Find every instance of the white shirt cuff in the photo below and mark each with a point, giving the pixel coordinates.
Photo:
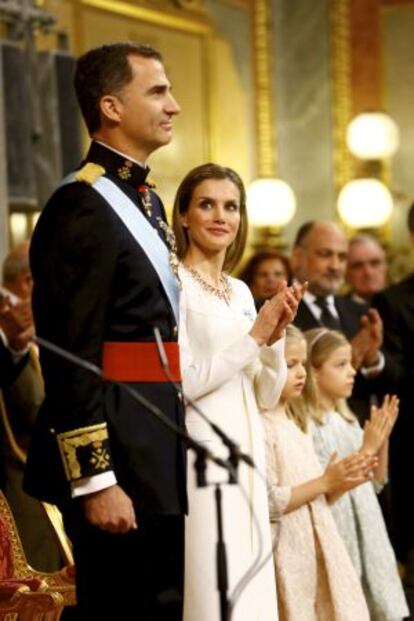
(375, 369)
(88, 485)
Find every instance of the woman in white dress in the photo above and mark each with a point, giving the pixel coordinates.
(230, 363)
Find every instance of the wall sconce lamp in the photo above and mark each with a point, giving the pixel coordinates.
(373, 136)
(366, 202)
(271, 204)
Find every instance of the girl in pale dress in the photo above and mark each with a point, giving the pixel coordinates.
(315, 578)
(231, 360)
(357, 513)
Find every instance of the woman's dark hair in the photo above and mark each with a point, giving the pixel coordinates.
(252, 266)
(182, 202)
(105, 70)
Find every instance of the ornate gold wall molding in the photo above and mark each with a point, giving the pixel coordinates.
(266, 135)
(158, 18)
(188, 4)
(238, 4)
(341, 88)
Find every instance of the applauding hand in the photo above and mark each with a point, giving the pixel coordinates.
(390, 408)
(368, 340)
(378, 428)
(276, 313)
(345, 474)
(294, 295)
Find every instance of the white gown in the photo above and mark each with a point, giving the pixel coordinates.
(226, 373)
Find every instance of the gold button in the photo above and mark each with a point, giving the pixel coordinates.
(175, 331)
(180, 395)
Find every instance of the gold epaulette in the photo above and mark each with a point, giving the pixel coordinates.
(85, 451)
(90, 173)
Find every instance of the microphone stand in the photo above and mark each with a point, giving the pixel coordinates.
(221, 558)
(235, 456)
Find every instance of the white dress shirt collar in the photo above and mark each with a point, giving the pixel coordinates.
(310, 301)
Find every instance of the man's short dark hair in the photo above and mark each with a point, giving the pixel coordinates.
(303, 232)
(410, 219)
(102, 71)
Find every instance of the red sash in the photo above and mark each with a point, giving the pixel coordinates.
(139, 362)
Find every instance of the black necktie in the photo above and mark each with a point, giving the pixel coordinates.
(327, 319)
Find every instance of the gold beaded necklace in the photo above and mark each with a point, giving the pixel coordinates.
(223, 292)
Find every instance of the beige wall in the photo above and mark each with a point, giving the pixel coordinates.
(216, 119)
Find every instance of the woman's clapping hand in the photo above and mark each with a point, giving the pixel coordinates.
(277, 313)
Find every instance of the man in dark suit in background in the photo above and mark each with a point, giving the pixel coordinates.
(396, 307)
(319, 256)
(102, 282)
(366, 270)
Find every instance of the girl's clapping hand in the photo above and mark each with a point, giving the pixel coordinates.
(390, 408)
(376, 431)
(345, 474)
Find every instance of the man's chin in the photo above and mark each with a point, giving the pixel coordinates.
(329, 288)
(323, 291)
(162, 140)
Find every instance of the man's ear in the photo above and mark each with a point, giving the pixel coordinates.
(111, 108)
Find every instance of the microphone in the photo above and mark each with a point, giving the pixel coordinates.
(235, 453)
(202, 454)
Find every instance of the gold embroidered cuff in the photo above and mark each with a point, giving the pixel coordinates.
(85, 451)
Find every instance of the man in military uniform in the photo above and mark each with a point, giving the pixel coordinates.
(102, 282)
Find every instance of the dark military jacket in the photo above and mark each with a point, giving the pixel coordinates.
(94, 283)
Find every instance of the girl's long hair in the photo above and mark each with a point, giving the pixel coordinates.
(321, 343)
(295, 408)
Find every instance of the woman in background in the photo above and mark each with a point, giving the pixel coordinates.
(263, 272)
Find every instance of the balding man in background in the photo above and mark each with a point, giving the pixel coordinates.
(366, 271)
(17, 277)
(19, 404)
(16, 322)
(320, 257)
